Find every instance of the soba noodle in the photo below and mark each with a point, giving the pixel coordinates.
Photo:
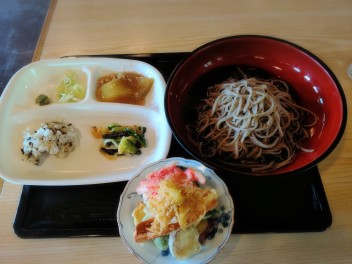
(252, 120)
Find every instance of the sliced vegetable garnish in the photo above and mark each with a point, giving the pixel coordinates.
(118, 140)
(71, 88)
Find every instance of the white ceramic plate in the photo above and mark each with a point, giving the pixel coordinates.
(149, 253)
(85, 165)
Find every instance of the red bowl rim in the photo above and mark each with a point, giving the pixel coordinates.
(301, 49)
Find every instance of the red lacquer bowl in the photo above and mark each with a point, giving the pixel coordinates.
(312, 82)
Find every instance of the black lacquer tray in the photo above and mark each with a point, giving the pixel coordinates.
(295, 203)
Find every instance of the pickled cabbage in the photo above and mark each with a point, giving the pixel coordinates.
(71, 88)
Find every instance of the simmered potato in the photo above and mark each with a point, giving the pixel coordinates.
(130, 88)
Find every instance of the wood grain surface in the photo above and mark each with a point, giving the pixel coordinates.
(82, 27)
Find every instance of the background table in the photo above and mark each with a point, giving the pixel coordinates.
(82, 27)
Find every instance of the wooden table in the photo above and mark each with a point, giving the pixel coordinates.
(106, 27)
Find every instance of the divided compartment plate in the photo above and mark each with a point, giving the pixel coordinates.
(85, 165)
(295, 203)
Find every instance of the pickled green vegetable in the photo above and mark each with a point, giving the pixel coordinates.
(42, 99)
(127, 146)
(123, 140)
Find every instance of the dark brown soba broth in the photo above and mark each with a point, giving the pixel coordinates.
(199, 91)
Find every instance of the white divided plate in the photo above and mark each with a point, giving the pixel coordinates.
(85, 165)
(148, 252)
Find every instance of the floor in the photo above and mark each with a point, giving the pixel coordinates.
(21, 22)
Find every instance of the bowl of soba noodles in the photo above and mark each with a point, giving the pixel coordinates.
(255, 105)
